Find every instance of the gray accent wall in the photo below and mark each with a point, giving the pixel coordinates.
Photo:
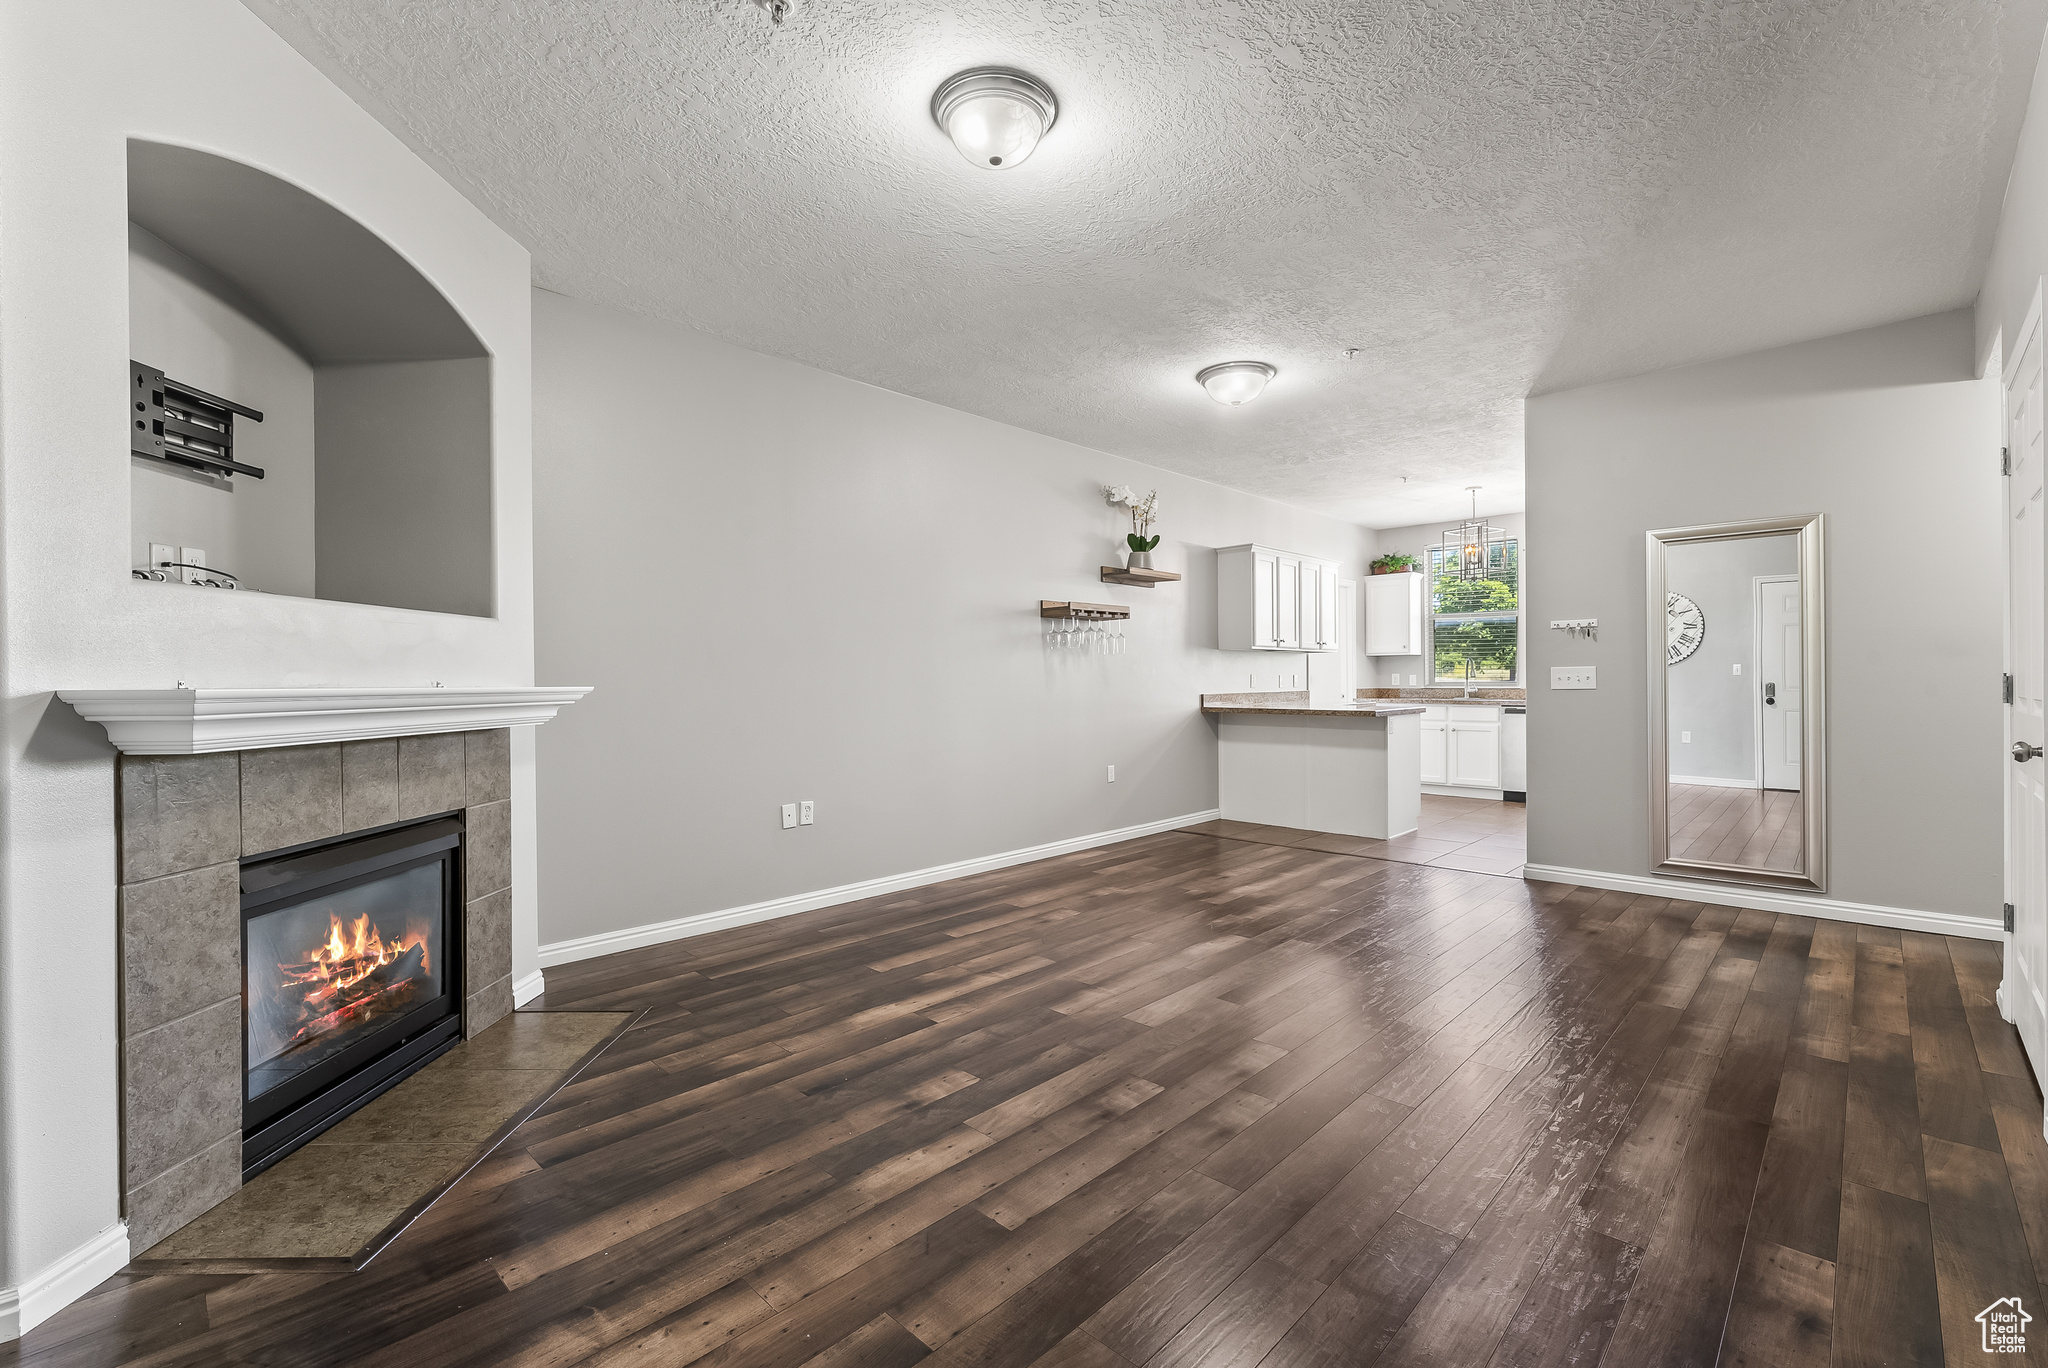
(788, 585)
(1887, 432)
(1705, 699)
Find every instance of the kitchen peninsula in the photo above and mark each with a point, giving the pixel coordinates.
(1353, 768)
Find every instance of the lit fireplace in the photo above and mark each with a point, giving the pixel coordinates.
(348, 962)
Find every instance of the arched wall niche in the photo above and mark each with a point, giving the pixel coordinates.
(376, 394)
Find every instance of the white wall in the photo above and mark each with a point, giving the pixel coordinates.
(2019, 251)
(1887, 432)
(1417, 541)
(1709, 709)
(788, 585)
(182, 321)
(75, 82)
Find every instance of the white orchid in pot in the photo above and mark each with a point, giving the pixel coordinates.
(1144, 512)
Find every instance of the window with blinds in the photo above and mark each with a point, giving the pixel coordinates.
(1475, 624)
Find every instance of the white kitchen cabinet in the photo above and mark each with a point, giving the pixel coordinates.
(1393, 614)
(1319, 616)
(1287, 603)
(1461, 746)
(1472, 755)
(1435, 747)
(1270, 600)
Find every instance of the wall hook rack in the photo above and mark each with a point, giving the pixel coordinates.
(1579, 629)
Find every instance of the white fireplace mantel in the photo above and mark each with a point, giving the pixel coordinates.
(200, 721)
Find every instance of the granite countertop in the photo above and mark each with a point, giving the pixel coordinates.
(1295, 703)
(1450, 694)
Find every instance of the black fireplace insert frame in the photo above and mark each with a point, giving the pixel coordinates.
(289, 1115)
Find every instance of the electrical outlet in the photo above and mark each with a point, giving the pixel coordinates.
(1112, 774)
(1686, 737)
(1572, 677)
(161, 555)
(806, 812)
(788, 816)
(191, 556)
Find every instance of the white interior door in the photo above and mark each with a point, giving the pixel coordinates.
(2026, 837)
(1778, 690)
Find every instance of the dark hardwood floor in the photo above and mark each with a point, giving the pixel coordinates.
(1192, 1100)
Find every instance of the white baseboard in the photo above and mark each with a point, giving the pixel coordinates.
(1454, 791)
(1702, 782)
(25, 1307)
(1773, 900)
(527, 989)
(699, 923)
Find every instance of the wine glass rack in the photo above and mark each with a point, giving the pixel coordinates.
(1094, 612)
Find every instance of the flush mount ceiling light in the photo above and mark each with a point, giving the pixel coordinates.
(1235, 382)
(994, 115)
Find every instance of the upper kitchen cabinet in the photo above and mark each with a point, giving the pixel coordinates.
(1268, 600)
(1393, 614)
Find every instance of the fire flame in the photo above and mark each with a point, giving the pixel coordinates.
(332, 977)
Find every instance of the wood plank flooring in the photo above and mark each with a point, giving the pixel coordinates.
(1755, 828)
(1197, 1102)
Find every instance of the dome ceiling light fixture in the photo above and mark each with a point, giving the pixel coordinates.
(1235, 382)
(994, 115)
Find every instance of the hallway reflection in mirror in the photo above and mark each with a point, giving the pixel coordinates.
(1735, 728)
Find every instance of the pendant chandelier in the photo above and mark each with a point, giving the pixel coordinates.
(1471, 551)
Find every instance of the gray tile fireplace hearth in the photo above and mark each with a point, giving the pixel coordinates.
(186, 822)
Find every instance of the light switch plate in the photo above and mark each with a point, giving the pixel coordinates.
(1572, 677)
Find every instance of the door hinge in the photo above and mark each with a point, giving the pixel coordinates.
(2008, 916)
(2005, 460)
(2008, 688)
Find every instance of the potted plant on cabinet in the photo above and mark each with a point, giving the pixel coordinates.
(1394, 563)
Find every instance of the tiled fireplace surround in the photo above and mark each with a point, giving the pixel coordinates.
(186, 822)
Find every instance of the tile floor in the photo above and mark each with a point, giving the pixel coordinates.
(1478, 835)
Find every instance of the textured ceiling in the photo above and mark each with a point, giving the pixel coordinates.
(1485, 199)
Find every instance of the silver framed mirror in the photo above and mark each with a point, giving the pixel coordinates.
(1738, 691)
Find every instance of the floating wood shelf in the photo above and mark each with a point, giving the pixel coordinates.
(1143, 579)
(1051, 608)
